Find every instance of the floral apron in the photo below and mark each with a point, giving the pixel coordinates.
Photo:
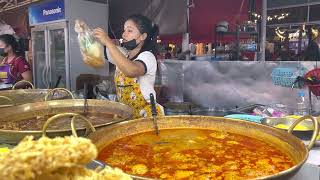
(129, 93)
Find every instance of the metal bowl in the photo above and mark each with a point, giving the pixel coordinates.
(213, 112)
(24, 96)
(285, 122)
(108, 112)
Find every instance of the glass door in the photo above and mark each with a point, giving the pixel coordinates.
(58, 56)
(39, 62)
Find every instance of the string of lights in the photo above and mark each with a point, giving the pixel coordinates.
(271, 18)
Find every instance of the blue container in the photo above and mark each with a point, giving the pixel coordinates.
(286, 76)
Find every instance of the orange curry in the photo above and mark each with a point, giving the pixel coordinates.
(195, 154)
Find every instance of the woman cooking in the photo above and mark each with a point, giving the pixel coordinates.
(136, 71)
(18, 68)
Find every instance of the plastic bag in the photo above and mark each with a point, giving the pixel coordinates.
(91, 49)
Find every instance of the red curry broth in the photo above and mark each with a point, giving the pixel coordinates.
(195, 154)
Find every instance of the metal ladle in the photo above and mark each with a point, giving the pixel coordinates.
(85, 94)
(154, 118)
(154, 114)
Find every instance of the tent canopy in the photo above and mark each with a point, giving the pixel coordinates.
(171, 15)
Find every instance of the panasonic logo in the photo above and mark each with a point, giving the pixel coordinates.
(51, 11)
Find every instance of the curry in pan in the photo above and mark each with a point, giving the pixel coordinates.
(195, 154)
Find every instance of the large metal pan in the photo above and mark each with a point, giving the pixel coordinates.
(106, 112)
(23, 96)
(285, 141)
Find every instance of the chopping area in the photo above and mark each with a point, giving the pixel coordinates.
(159, 89)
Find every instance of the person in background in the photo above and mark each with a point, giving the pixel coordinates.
(268, 55)
(135, 69)
(312, 51)
(13, 57)
(168, 53)
(284, 53)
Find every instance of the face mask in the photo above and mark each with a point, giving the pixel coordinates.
(130, 45)
(2, 53)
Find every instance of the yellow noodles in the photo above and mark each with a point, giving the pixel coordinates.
(58, 158)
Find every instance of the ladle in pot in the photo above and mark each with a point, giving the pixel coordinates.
(154, 113)
(154, 118)
(85, 93)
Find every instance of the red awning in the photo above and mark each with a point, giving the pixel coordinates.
(207, 13)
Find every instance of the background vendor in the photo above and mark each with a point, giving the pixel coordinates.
(18, 68)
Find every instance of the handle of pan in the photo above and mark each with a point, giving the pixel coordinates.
(315, 130)
(52, 91)
(74, 116)
(44, 75)
(49, 77)
(7, 99)
(21, 82)
(88, 123)
(58, 82)
(46, 79)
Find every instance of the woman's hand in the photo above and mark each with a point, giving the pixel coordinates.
(80, 26)
(102, 36)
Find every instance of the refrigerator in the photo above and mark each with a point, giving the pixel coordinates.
(55, 48)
